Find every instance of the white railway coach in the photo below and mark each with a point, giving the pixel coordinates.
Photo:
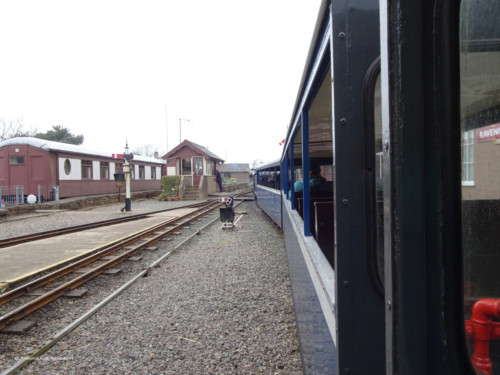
(75, 170)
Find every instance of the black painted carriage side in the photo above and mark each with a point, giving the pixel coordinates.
(423, 283)
(360, 306)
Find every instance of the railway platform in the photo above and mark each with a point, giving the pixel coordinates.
(21, 261)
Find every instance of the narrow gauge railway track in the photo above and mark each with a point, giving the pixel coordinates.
(151, 235)
(77, 228)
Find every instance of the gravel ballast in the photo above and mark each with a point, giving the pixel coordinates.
(220, 304)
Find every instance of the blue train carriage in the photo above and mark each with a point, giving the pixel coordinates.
(404, 279)
(308, 179)
(267, 190)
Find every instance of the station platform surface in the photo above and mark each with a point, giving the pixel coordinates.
(21, 261)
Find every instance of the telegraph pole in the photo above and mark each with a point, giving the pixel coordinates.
(180, 123)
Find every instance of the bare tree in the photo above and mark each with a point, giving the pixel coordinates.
(14, 128)
(257, 163)
(146, 150)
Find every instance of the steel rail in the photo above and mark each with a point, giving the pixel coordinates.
(77, 228)
(57, 292)
(48, 344)
(98, 254)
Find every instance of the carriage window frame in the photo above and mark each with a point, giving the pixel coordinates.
(16, 160)
(104, 170)
(67, 167)
(373, 170)
(468, 140)
(87, 173)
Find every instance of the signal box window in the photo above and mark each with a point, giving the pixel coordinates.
(86, 169)
(186, 167)
(104, 170)
(210, 167)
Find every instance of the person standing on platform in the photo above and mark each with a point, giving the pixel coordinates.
(218, 178)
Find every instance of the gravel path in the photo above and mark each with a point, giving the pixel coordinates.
(221, 304)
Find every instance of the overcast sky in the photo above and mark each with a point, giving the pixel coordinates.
(129, 70)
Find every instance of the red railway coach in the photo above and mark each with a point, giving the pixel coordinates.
(75, 170)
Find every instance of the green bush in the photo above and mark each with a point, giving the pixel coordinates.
(170, 185)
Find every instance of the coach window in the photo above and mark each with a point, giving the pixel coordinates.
(379, 182)
(104, 170)
(86, 169)
(297, 158)
(480, 129)
(16, 160)
(372, 107)
(142, 172)
(67, 167)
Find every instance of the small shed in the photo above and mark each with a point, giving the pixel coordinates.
(191, 161)
(239, 171)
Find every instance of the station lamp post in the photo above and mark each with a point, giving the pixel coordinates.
(127, 156)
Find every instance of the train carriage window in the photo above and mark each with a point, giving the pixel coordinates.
(67, 167)
(297, 157)
(86, 169)
(104, 170)
(374, 169)
(379, 182)
(468, 157)
(480, 128)
(16, 160)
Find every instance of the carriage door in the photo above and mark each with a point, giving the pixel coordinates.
(197, 170)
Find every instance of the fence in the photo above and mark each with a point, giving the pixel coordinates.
(14, 195)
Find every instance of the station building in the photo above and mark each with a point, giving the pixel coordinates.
(196, 165)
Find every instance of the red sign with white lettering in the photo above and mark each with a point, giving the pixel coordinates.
(488, 133)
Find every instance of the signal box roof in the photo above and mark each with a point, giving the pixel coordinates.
(194, 147)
